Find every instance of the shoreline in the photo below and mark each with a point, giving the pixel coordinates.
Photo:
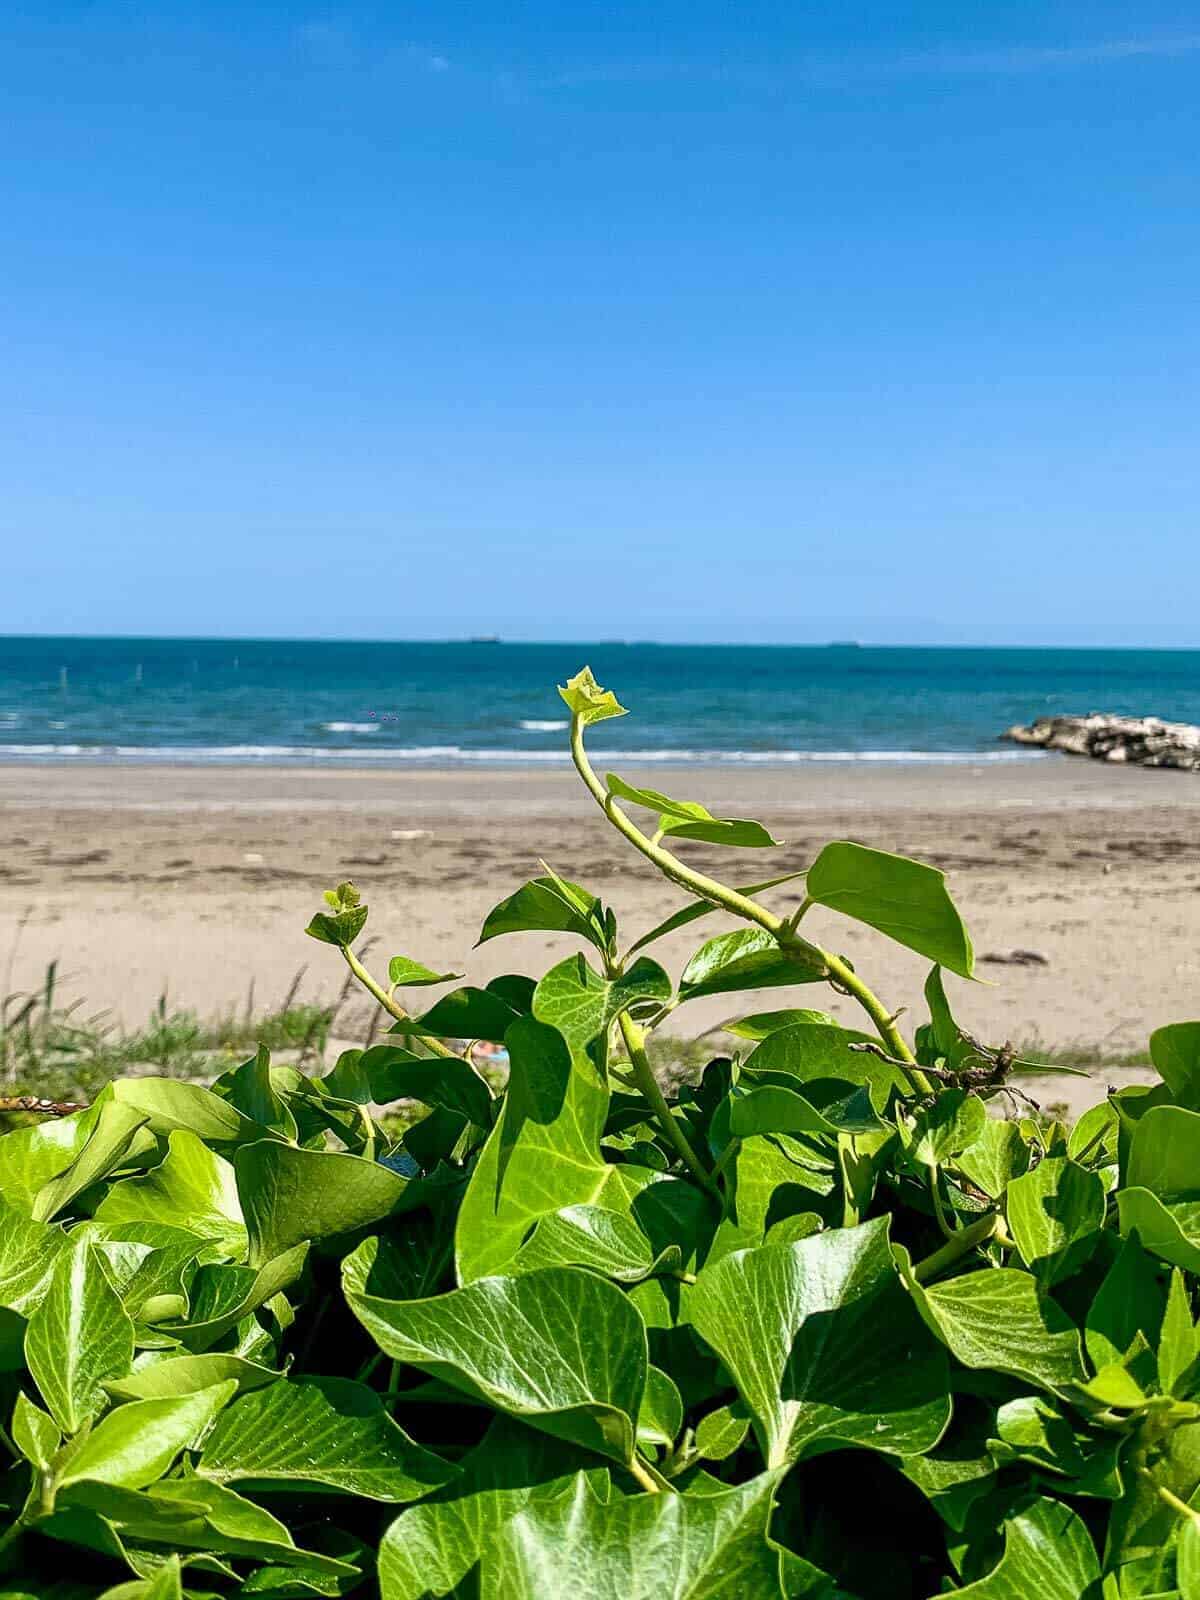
(1055, 781)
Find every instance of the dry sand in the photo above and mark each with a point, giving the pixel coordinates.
(194, 881)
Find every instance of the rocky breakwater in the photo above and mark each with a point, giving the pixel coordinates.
(1138, 741)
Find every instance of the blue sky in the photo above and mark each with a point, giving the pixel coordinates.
(689, 320)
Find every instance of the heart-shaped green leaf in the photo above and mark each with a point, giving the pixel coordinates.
(948, 1125)
(28, 1253)
(1002, 1319)
(289, 1195)
(561, 1349)
(404, 973)
(221, 1296)
(576, 1000)
(196, 1514)
(812, 1051)
(466, 1013)
(824, 1346)
(177, 1375)
(1055, 1214)
(590, 1236)
(344, 920)
(1164, 1154)
(903, 899)
(1175, 1051)
(135, 1445)
(431, 1548)
(110, 1142)
(1048, 1552)
(397, 1074)
(78, 1339)
(167, 1104)
(748, 958)
(762, 1023)
(35, 1435)
(551, 905)
(687, 819)
(1129, 1301)
(321, 1430)
(691, 1547)
(543, 1154)
(770, 1109)
(35, 1155)
(1170, 1232)
(996, 1156)
(769, 1180)
(193, 1188)
(252, 1090)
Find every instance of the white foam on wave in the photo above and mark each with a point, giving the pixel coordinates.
(351, 727)
(437, 755)
(534, 725)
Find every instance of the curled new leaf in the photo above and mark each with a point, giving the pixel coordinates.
(587, 701)
(344, 920)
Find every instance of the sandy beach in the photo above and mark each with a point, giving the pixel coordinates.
(141, 881)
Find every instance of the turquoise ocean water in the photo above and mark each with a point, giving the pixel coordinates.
(266, 701)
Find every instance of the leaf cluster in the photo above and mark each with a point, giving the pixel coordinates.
(840, 1319)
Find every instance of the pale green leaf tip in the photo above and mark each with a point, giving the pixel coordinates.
(587, 700)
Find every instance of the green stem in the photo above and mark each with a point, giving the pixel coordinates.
(885, 1026)
(650, 1479)
(939, 1209)
(369, 1367)
(961, 1244)
(717, 894)
(726, 1157)
(720, 894)
(1089, 1146)
(793, 922)
(1169, 1498)
(643, 1073)
(392, 1007)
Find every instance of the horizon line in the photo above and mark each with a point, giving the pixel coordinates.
(484, 641)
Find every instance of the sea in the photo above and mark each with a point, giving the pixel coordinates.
(494, 703)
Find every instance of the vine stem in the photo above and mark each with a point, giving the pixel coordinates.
(959, 1245)
(643, 1075)
(639, 1471)
(1168, 1497)
(939, 1209)
(720, 894)
(392, 1007)
(884, 1022)
(723, 1161)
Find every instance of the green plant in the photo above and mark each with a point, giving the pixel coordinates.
(818, 1325)
(55, 1051)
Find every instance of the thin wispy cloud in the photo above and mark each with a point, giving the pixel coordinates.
(1007, 60)
(332, 44)
(1031, 58)
(335, 45)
